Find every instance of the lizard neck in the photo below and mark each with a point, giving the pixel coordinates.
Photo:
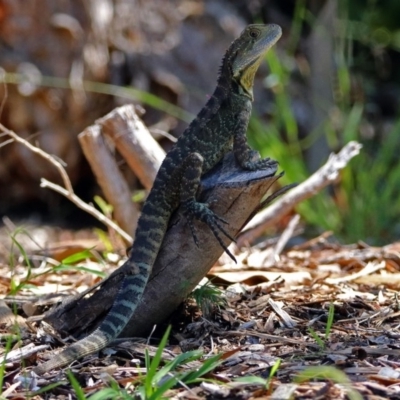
(233, 87)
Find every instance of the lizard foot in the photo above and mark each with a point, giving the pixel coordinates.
(260, 164)
(200, 211)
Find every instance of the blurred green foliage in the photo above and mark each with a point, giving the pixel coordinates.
(374, 22)
(364, 205)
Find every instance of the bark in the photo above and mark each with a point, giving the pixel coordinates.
(235, 195)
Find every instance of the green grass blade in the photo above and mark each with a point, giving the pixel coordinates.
(315, 336)
(80, 394)
(327, 372)
(63, 267)
(79, 256)
(331, 315)
(107, 394)
(48, 388)
(251, 380)
(177, 361)
(168, 384)
(207, 366)
(155, 362)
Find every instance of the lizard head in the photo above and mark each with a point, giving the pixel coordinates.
(246, 52)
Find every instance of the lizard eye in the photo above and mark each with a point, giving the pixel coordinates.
(254, 33)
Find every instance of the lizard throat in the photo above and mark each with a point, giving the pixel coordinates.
(246, 79)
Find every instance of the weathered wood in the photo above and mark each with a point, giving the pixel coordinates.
(109, 178)
(134, 142)
(324, 176)
(235, 195)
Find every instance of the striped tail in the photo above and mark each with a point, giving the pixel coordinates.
(121, 312)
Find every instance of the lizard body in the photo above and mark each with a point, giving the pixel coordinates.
(219, 127)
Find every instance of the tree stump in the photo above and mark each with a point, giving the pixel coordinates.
(234, 194)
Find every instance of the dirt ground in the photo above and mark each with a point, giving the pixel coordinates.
(275, 310)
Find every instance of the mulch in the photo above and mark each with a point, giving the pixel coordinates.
(277, 308)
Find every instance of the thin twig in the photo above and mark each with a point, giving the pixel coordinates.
(67, 191)
(284, 238)
(326, 175)
(43, 154)
(44, 183)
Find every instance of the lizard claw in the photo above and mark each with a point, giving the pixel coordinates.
(194, 209)
(193, 230)
(224, 221)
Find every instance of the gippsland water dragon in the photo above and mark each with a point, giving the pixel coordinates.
(219, 127)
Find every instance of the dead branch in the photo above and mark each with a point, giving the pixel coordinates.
(326, 175)
(109, 178)
(24, 352)
(67, 191)
(134, 142)
(282, 241)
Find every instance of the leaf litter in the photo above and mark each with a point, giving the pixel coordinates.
(273, 314)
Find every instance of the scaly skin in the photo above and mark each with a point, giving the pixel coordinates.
(219, 127)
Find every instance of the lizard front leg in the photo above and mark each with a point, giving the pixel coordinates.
(191, 173)
(247, 157)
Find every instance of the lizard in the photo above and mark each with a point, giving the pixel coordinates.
(220, 127)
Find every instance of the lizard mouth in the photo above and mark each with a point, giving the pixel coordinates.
(257, 40)
(260, 39)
